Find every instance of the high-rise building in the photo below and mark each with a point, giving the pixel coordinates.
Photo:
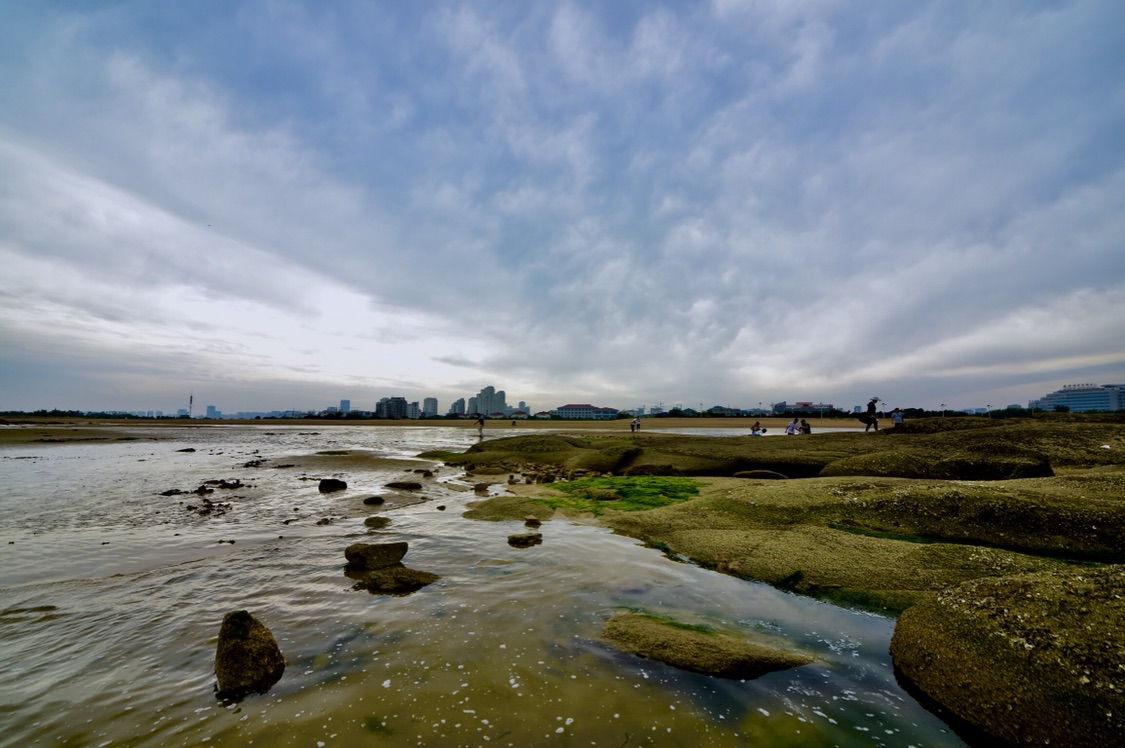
(429, 407)
(213, 412)
(1080, 398)
(490, 400)
(345, 406)
(458, 407)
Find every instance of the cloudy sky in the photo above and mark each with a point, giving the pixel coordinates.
(276, 204)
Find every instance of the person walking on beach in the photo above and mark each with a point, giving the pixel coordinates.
(872, 415)
(480, 427)
(793, 427)
(805, 427)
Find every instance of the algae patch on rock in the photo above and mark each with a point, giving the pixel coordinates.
(1031, 659)
(696, 648)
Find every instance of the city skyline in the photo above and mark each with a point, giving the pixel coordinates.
(273, 202)
(1075, 396)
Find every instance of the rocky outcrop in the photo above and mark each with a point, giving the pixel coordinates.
(405, 485)
(697, 648)
(1029, 660)
(247, 658)
(377, 568)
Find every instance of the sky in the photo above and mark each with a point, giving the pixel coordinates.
(276, 204)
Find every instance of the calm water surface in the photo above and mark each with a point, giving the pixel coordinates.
(111, 597)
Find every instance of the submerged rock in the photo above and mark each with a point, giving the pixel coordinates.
(525, 539)
(392, 580)
(247, 658)
(370, 556)
(331, 485)
(405, 485)
(697, 649)
(377, 522)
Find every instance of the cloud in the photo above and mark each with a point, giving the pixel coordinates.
(729, 203)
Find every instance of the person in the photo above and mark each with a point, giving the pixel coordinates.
(896, 416)
(871, 417)
(756, 429)
(793, 427)
(805, 427)
(636, 424)
(480, 426)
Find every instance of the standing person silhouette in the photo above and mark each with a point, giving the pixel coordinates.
(872, 416)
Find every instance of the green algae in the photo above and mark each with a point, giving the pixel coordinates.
(627, 494)
(698, 648)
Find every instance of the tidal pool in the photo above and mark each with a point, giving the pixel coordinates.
(111, 596)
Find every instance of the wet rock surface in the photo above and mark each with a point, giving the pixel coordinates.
(247, 657)
(371, 556)
(698, 649)
(1031, 660)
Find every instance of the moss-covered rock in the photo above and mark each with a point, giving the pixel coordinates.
(698, 649)
(247, 658)
(886, 463)
(1031, 660)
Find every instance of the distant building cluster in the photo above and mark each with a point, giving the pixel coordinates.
(492, 403)
(1083, 398)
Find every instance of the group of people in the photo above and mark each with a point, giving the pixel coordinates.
(797, 427)
(635, 425)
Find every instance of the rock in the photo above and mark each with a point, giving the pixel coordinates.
(324, 521)
(392, 580)
(374, 500)
(761, 475)
(441, 507)
(186, 449)
(405, 485)
(532, 521)
(247, 658)
(697, 649)
(369, 556)
(330, 485)
(525, 539)
(1031, 659)
(481, 487)
(377, 522)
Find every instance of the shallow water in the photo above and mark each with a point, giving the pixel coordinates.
(111, 598)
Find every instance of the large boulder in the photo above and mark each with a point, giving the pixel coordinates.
(1032, 659)
(247, 658)
(331, 485)
(370, 556)
(696, 648)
